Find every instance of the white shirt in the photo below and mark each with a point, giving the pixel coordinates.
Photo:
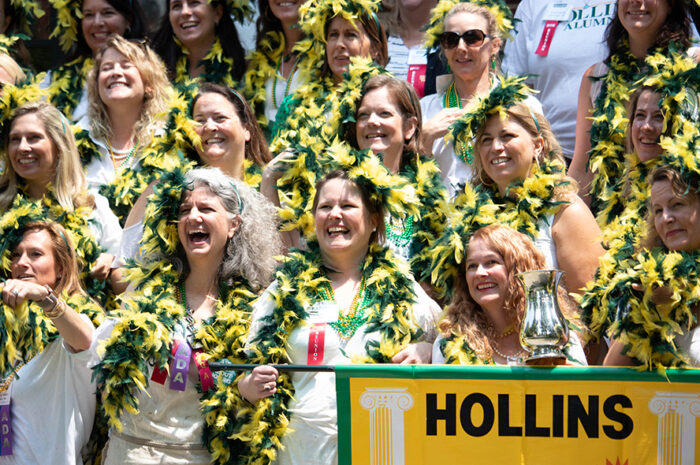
(576, 45)
(53, 407)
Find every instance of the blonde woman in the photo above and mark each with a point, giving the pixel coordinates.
(127, 88)
(42, 164)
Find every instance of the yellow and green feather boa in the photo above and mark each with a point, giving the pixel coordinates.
(262, 426)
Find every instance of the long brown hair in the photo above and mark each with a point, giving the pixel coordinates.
(464, 316)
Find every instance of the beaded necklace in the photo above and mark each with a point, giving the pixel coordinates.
(289, 79)
(349, 321)
(515, 358)
(452, 100)
(124, 159)
(400, 234)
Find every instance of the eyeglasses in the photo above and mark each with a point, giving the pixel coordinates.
(472, 38)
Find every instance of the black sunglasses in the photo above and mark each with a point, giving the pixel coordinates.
(472, 38)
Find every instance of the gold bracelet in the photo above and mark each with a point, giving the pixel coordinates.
(57, 311)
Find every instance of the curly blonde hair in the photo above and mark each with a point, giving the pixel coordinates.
(464, 316)
(155, 83)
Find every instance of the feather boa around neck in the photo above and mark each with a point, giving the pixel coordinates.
(143, 337)
(25, 210)
(262, 426)
(527, 205)
(648, 330)
(68, 83)
(607, 153)
(25, 331)
(217, 68)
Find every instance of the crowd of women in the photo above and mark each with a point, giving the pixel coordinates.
(167, 202)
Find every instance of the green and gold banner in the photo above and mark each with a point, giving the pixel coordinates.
(417, 415)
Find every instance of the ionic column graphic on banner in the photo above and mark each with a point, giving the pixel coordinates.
(386, 438)
(676, 428)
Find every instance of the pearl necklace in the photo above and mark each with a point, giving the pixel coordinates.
(123, 155)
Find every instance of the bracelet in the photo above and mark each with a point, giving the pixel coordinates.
(57, 311)
(50, 301)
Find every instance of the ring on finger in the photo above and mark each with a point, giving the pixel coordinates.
(15, 291)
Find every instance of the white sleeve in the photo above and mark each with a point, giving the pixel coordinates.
(426, 313)
(105, 226)
(438, 358)
(262, 308)
(129, 247)
(515, 58)
(98, 337)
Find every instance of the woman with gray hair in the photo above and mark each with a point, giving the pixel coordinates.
(208, 247)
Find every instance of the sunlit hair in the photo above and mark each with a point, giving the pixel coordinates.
(250, 252)
(155, 84)
(374, 208)
(377, 39)
(521, 114)
(10, 66)
(256, 148)
(632, 109)
(491, 28)
(165, 45)
(404, 98)
(464, 316)
(136, 28)
(680, 189)
(675, 28)
(70, 187)
(67, 275)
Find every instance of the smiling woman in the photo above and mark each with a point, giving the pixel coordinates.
(47, 328)
(212, 242)
(657, 290)
(85, 27)
(128, 88)
(482, 323)
(198, 39)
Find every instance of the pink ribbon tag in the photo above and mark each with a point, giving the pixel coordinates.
(205, 376)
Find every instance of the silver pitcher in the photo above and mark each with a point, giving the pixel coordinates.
(544, 331)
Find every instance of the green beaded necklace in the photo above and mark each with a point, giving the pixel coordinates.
(452, 100)
(349, 321)
(289, 80)
(400, 234)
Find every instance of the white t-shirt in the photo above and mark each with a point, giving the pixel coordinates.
(408, 64)
(53, 407)
(577, 44)
(313, 431)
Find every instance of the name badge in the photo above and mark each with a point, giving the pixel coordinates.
(5, 423)
(323, 311)
(558, 11)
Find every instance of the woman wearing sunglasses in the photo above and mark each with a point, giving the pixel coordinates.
(470, 44)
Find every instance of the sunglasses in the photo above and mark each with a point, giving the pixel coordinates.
(472, 38)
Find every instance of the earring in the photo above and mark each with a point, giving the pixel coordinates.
(493, 63)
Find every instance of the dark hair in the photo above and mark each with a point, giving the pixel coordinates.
(377, 39)
(165, 46)
(256, 148)
(680, 188)
(266, 22)
(374, 207)
(133, 13)
(406, 100)
(676, 28)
